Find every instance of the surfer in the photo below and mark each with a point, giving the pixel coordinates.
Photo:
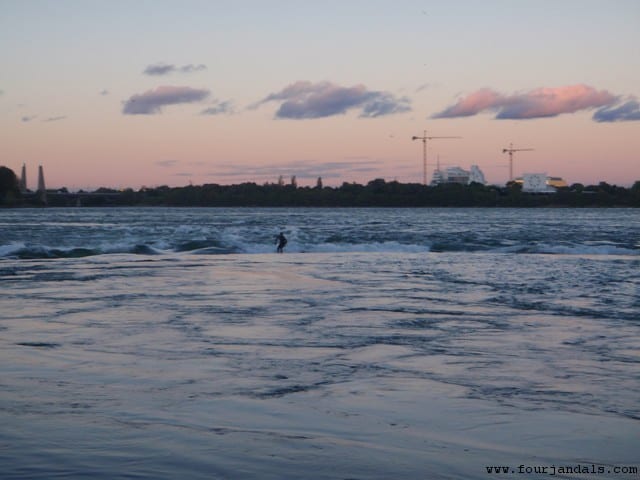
(281, 240)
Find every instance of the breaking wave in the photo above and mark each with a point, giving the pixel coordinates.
(25, 251)
(70, 233)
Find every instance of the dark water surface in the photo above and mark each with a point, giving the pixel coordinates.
(427, 343)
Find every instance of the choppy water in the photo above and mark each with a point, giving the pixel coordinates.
(386, 343)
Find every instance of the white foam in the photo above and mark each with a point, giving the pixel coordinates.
(375, 247)
(12, 248)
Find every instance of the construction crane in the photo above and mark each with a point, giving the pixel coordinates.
(424, 139)
(510, 151)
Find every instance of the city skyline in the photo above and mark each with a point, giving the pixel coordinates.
(152, 93)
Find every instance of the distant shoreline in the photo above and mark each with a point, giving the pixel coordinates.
(376, 193)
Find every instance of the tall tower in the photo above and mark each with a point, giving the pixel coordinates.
(23, 179)
(42, 191)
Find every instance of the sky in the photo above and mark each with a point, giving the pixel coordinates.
(133, 93)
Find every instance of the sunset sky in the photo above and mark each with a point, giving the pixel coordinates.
(145, 93)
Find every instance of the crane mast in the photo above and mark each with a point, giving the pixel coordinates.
(510, 151)
(424, 139)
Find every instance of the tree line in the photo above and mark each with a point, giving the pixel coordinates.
(376, 193)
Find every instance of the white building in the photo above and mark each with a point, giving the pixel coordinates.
(476, 175)
(458, 175)
(540, 183)
(536, 183)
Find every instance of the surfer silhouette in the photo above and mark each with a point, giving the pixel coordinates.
(281, 240)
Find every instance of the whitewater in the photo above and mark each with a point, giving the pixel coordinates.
(164, 343)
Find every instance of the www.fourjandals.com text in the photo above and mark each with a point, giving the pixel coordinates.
(553, 470)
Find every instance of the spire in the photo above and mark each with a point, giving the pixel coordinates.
(42, 191)
(23, 179)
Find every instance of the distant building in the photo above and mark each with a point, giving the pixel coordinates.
(458, 175)
(476, 175)
(540, 183)
(556, 182)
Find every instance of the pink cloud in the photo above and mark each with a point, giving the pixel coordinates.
(538, 103)
(472, 104)
(550, 102)
(305, 100)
